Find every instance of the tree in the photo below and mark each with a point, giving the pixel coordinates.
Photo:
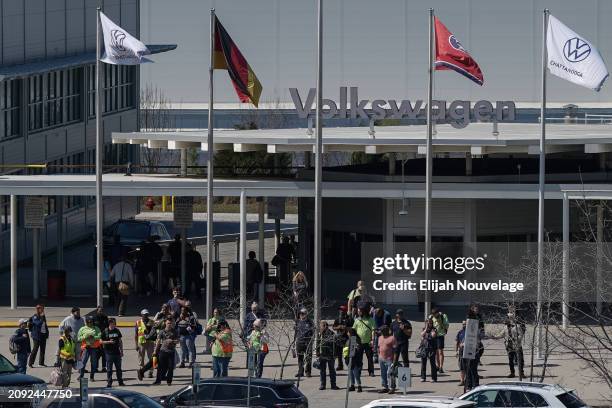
(156, 116)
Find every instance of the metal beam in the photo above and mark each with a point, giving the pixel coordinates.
(14, 237)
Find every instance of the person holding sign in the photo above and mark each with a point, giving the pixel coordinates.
(427, 351)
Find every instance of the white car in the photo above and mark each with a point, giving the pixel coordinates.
(420, 402)
(523, 394)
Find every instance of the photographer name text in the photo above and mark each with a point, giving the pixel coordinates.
(435, 285)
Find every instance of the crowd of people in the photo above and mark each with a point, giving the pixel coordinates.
(364, 335)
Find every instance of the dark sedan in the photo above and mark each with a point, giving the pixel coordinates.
(10, 379)
(234, 391)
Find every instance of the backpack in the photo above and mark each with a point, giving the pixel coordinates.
(199, 329)
(13, 347)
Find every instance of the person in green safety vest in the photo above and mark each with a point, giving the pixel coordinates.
(258, 345)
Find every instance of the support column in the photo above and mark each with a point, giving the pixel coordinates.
(566, 233)
(14, 251)
(35, 263)
(262, 246)
(391, 157)
(468, 164)
(184, 260)
(243, 238)
(59, 210)
(598, 270)
(277, 233)
(183, 162)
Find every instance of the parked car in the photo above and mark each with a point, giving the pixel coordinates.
(233, 391)
(9, 378)
(107, 398)
(523, 394)
(421, 402)
(131, 234)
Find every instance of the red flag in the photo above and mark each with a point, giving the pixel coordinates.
(450, 54)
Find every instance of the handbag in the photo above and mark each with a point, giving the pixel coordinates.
(276, 260)
(421, 351)
(123, 287)
(56, 377)
(317, 363)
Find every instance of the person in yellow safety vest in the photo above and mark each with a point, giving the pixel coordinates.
(258, 346)
(222, 349)
(145, 344)
(67, 355)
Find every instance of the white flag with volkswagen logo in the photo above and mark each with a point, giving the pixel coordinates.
(573, 58)
(120, 48)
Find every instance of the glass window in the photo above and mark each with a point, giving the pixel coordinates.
(118, 82)
(484, 398)
(138, 401)
(228, 392)
(10, 108)
(6, 366)
(571, 400)
(55, 98)
(105, 402)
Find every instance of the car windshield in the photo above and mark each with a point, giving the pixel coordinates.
(570, 400)
(138, 401)
(6, 366)
(130, 231)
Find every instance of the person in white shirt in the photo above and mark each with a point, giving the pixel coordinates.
(122, 275)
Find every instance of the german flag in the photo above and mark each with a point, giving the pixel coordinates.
(228, 56)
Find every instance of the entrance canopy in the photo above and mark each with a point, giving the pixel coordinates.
(145, 185)
(477, 139)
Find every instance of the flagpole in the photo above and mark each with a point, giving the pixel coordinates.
(318, 168)
(542, 180)
(99, 165)
(209, 176)
(428, 162)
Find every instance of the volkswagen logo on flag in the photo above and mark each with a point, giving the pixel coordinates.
(576, 50)
(117, 37)
(454, 42)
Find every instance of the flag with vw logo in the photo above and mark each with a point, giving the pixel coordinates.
(120, 48)
(573, 58)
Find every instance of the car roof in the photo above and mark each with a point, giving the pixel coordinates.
(265, 382)
(534, 386)
(449, 402)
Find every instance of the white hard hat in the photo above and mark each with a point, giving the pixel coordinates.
(144, 312)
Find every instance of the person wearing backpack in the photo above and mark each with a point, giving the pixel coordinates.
(222, 349)
(364, 326)
(440, 323)
(19, 345)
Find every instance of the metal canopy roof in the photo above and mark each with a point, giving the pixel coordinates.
(477, 139)
(145, 185)
(52, 64)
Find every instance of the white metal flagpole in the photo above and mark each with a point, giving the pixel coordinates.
(99, 166)
(318, 168)
(428, 162)
(542, 180)
(209, 176)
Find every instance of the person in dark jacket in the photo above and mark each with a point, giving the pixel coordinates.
(39, 332)
(284, 256)
(402, 331)
(354, 364)
(340, 325)
(100, 319)
(165, 347)
(193, 266)
(430, 343)
(326, 353)
(22, 340)
(304, 333)
(250, 318)
(151, 254)
(254, 276)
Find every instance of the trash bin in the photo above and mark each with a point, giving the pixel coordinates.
(216, 277)
(233, 275)
(56, 284)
